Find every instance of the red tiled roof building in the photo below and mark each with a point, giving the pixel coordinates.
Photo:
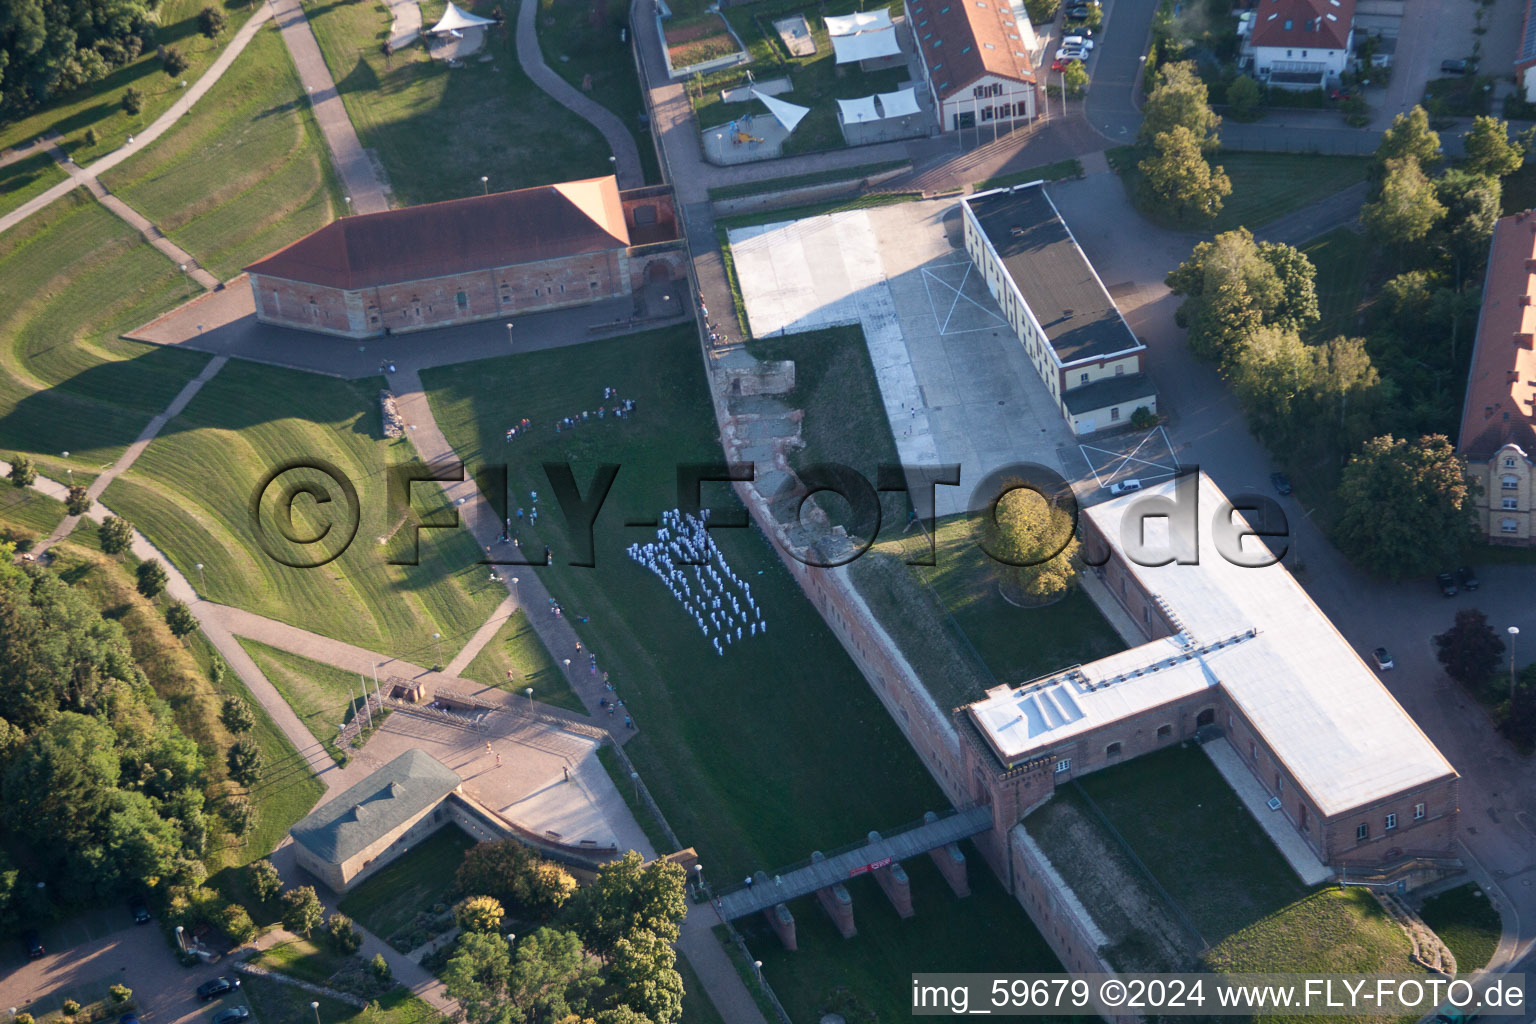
(447, 263)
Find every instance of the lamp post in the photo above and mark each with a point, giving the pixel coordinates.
(698, 878)
(485, 185)
(1513, 632)
(438, 637)
(201, 579)
(757, 965)
(181, 943)
(348, 201)
(515, 598)
(70, 471)
(634, 777)
(509, 333)
(529, 692)
(315, 1005)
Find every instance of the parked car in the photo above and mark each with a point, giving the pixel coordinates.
(217, 987)
(1340, 94)
(1078, 11)
(231, 1015)
(1076, 42)
(139, 911)
(1456, 67)
(33, 942)
(1071, 53)
(1060, 63)
(1467, 578)
(1282, 483)
(1125, 487)
(1447, 584)
(1382, 658)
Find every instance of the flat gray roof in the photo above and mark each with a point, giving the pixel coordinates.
(1108, 391)
(341, 829)
(1079, 318)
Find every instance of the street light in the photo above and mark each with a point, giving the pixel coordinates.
(439, 638)
(202, 581)
(529, 692)
(515, 598)
(70, 470)
(348, 201)
(698, 878)
(485, 188)
(757, 965)
(635, 778)
(1513, 631)
(180, 942)
(316, 1007)
(509, 333)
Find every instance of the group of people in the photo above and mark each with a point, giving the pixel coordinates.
(720, 602)
(520, 427)
(619, 409)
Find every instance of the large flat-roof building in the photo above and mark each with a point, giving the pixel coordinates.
(346, 839)
(500, 255)
(1053, 299)
(1232, 649)
(1498, 421)
(976, 60)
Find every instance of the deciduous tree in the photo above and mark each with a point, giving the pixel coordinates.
(302, 910)
(152, 577)
(644, 970)
(23, 473)
(1407, 209)
(1180, 99)
(263, 880)
(1471, 651)
(1410, 137)
(1074, 79)
(1490, 151)
(627, 895)
(1030, 537)
(115, 534)
(1404, 509)
(237, 716)
(244, 762)
(1177, 173)
(478, 914)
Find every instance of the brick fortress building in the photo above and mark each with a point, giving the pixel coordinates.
(486, 257)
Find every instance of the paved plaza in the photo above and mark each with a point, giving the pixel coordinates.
(956, 383)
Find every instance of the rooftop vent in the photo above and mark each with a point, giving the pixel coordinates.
(1017, 231)
(396, 789)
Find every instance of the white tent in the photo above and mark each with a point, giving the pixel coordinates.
(788, 114)
(865, 46)
(863, 21)
(859, 110)
(455, 20)
(899, 104)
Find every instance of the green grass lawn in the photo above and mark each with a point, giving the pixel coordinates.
(245, 173)
(191, 491)
(1265, 186)
(1467, 923)
(956, 628)
(323, 696)
(98, 105)
(816, 79)
(739, 750)
(274, 1001)
(581, 38)
(75, 277)
(386, 901)
(1048, 172)
(830, 176)
(517, 649)
(436, 130)
(303, 958)
(1342, 259)
(986, 931)
(27, 515)
(25, 179)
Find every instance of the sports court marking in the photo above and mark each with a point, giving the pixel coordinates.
(990, 320)
(1150, 458)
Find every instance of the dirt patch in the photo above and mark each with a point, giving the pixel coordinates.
(1144, 933)
(696, 40)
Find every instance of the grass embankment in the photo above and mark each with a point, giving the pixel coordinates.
(26, 179)
(274, 1001)
(75, 277)
(191, 493)
(1343, 261)
(388, 900)
(99, 106)
(1072, 168)
(1468, 924)
(516, 659)
(245, 173)
(737, 750)
(323, 696)
(1265, 186)
(827, 177)
(436, 130)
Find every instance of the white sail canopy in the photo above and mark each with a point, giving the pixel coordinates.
(902, 103)
(859, 110)
(787, 114)
(863, 21)
(455, 20)
(865, 46)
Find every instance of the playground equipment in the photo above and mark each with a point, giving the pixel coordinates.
(742, 136)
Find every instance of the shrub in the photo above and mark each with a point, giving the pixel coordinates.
(71, 1007)
(116, 535)
(23, 473)
(1143, 418)
(91, 138)
(343, 934)
(263, 880)
(210, 22)
(174, 62)
(379, 968)
(152, 577)
(24, 1018)
(180, 619)
(121, 993)
(132, 102)
(78, 503)
(237, 924)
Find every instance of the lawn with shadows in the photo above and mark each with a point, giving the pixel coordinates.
(756, 758)
(323, 696)
(98, 106)
(27, 515)
(1467, 922)
(1343, 261)
(274, 1001)
(76, 277)
(423, 878)
(26, 179)
(436, 130)
(245, 173)
(192, 489)
(516, 659)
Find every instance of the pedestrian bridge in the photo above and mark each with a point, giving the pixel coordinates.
(877, 854)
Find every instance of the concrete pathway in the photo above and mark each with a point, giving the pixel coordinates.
(1308, 867)
(405, 27)
(620, 140)
(29, 149)
(161, 124)
(133, 451)
(1341, 208)
(151, 234)
(482, 636)
(359, 176)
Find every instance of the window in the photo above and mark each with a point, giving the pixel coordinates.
(1508, 526)
(1164, 732)
(1119, 369)
(1511, 503)
(1279, 783)
(1082, 378)
(1391, 822)
(1418, 811)
(1509, 483)
(1113, 750)
(1509, 462)
(988, 46)
(1253, 750)
(1362, 833)
(1114, 414)
(1063, 764)
(462, 300)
